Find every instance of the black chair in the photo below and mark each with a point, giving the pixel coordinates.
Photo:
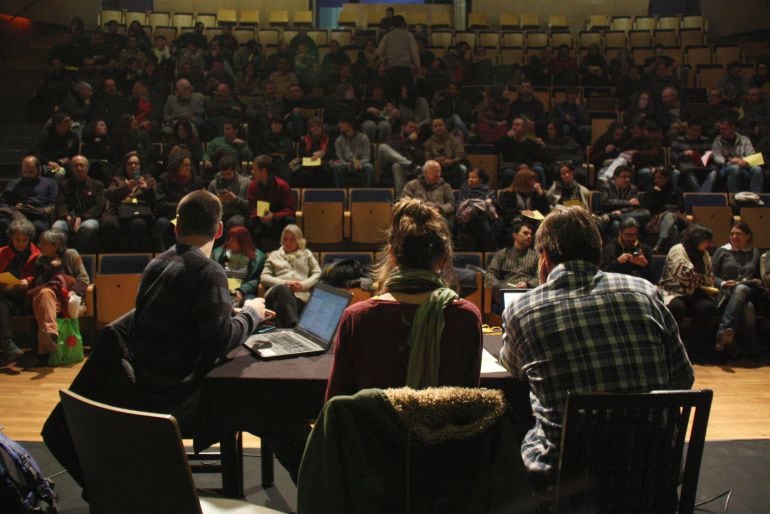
(134, 461)
(624, 452)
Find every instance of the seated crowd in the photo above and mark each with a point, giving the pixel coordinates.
(134, 126)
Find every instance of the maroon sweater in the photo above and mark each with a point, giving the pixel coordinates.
(370, 350)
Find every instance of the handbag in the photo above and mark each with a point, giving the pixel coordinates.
(70, 344)
(128, 211)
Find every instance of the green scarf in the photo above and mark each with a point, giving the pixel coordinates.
(427, 326)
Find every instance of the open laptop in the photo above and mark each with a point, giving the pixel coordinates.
(314, 331)
(509, 295)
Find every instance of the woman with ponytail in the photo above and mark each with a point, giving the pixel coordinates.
(417, 331)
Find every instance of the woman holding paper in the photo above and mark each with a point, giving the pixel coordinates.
(311, 167)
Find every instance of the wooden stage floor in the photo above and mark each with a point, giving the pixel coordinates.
(741, 408)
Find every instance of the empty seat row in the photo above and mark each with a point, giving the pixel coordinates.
(188, 19)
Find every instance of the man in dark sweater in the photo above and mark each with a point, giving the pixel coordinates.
(31, 195)
(184, 324)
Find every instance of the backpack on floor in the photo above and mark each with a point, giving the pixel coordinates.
(23, 488)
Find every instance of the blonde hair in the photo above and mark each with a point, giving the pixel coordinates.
(297, 233)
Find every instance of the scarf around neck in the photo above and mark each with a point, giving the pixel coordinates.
(424, 340)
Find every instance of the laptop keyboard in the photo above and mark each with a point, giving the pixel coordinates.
(292, 343)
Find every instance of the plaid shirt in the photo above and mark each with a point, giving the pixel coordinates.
(587, 330)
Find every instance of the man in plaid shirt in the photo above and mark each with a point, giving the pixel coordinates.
(585, 330)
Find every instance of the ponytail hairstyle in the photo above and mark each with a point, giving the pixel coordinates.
(418, 239)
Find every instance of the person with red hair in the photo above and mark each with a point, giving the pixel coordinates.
(243, 264)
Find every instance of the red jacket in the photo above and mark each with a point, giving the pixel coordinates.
(7, 253)
(277, 192)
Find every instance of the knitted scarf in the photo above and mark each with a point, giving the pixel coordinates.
(427, 326)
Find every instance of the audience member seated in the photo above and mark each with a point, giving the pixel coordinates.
(514, 266)
(400, 153)
(78, 103)
(733, 85)
(276, 142)
(353, 166)
(230, 187)
(80, 205)
(184, 104)
(730, 149)
(99, 148)
(227, 144)
(688, 288)
(376, 115)
(220, 107)
(564, 68)
(431, 189)
(453, 108)
(271, 204)
(492, 123)
(132, 193)
(572, 118)
(476, 213)
(566, 191)
(687, 153)
(59, 275)
(756, 112)
(261, 109)
(641, 108)
(416, 332)
(57, 145)
(594, 70)
(736, 269)
(17, 258)
(517, 148)
(111, 104)
(665, 203)
(644, 150)
(526, 105)
(316, 146)
(627, 85)
(289, 274)
(620, 200)
(607, 148)
(130, 138)
(716, 109)
(674, 114)
(524, 197)
(175, 183)
(31, 196)
(560, 149)
(243, 264)
(626, 254)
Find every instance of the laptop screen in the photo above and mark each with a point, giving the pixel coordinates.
(323, 312)
(509, 295)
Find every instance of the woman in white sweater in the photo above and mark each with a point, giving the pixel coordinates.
(289, 274)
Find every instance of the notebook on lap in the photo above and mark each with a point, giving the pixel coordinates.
(315, 329)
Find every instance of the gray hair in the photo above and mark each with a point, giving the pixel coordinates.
(82, 86)
(55, 237)
(22, 225)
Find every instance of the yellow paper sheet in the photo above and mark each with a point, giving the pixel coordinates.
(233, 284)
(535, 215)
(310, 161)
(8, 279)
(262, 207)
(755, 160)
